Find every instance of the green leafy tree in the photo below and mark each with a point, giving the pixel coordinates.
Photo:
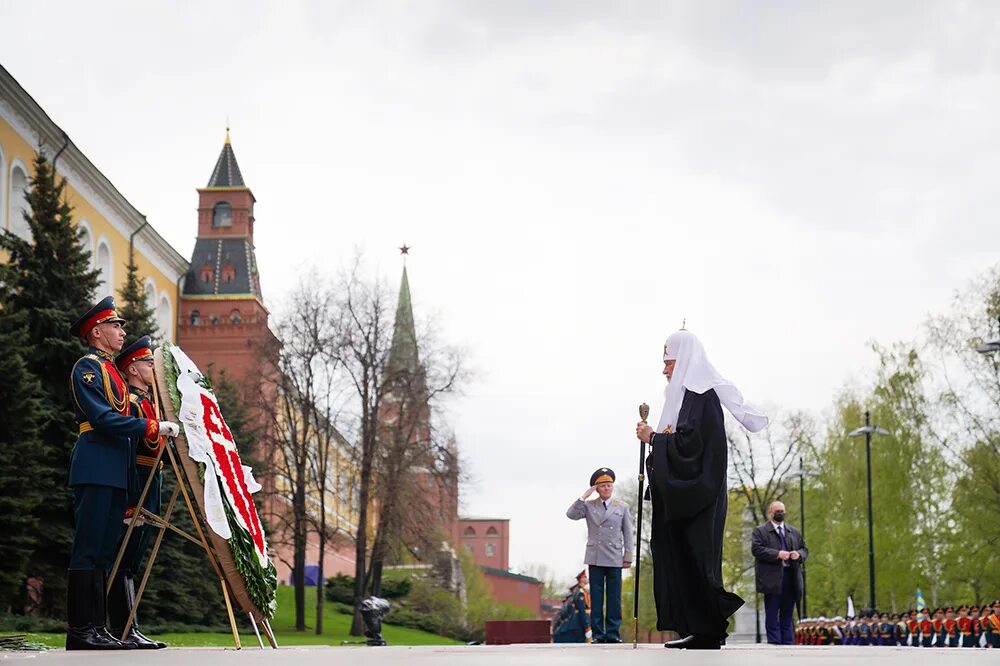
(21, 423)
(139, 316)
(909, 491)
(968, 400)
(50, 282)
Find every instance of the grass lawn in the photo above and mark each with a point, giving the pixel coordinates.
(336, 628)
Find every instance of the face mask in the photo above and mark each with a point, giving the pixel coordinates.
(779, 516)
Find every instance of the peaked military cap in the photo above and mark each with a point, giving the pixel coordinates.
(603, 475)
(140, 350)
(102, 313)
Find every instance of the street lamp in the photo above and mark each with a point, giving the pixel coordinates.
(867, 431)
(989, 347)
(802, 473)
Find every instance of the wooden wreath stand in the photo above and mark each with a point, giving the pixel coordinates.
(216, 548)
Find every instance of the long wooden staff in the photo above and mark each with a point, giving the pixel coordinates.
(643, 413)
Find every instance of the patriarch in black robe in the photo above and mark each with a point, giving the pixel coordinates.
(686, 467)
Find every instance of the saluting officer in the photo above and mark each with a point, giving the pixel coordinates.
(609, 550)
(135, 362)
(99, 473)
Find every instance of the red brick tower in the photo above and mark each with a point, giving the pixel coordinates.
(223, 321)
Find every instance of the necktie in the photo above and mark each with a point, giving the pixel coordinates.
(605, 505)
(784, 544)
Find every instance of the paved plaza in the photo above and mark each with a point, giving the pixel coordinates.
(522, 655)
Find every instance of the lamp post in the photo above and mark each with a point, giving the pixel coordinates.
(802, 473)
(989, 347)
(867, 431)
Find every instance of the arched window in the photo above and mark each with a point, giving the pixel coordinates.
(490, 550)
(164, 318)
(105, 267)
(86, 240)
(492, 531)
(207, 274)
(222, 215)
(234, 317)
(228, 273)
(150, 290)
(195, 318)
(470, 531)
(19, 202)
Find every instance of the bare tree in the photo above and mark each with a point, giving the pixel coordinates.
(761, 462)
(362, 326)
(299, 422)
(417, 466)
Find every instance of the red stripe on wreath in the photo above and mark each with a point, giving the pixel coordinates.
(229, 464)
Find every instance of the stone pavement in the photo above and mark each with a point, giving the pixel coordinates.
(522, 655)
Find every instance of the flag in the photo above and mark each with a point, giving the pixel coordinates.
(850, 606)
(921, 604)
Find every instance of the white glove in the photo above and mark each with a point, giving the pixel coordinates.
(169, 429)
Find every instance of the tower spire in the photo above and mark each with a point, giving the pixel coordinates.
(227, 172)
(403, 354)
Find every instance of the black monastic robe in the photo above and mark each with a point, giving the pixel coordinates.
(687, 480)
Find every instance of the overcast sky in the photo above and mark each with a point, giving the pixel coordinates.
(576, 178)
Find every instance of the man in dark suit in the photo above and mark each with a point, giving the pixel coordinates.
(779, 552)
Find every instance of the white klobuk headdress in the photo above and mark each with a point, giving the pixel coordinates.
(694, 372)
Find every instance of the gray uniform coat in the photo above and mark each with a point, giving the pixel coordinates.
(609, 532)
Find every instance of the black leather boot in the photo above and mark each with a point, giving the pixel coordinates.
(120, 603)
(81, 634)
(100, 617)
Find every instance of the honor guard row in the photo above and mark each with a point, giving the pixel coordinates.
(965, 626)
(119, 435)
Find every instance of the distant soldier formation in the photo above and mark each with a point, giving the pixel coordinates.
(966, 626)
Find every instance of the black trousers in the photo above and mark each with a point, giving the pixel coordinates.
(98, 512)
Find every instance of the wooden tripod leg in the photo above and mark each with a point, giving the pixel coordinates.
(149, 566)
(269, 633)
(204, 542)
(135, 519)
(232, 618)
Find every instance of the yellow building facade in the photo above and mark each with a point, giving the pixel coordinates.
(105, 218)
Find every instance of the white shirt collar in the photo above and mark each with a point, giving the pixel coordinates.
(777, 525)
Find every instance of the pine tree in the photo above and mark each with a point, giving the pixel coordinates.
(140, 318)
(51, 284)
(21, 422)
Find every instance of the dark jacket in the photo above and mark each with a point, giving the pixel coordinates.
(103, 454)
(765, 544)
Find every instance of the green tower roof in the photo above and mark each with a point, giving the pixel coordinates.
(403, 354)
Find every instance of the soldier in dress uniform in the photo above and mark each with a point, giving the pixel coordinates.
(964, 626)
(940, 636)
(576, 628)
(609, 550)
(991, 625)
(913, 625)
(926, 629)
(975, 626)
(100, 473)
(864, 629)
(950, 627)
(135, 362)
(900, 631)
(886, 630)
